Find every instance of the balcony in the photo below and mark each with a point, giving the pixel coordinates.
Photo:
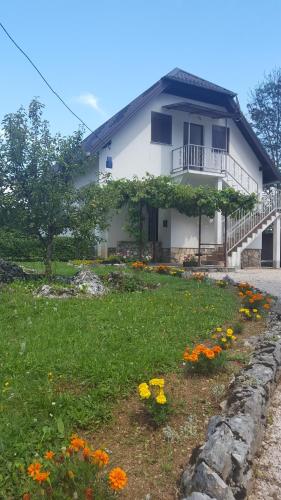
(201, 159)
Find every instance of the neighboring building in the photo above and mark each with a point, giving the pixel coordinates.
(193, 130)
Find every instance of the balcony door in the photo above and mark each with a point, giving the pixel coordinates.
(193, 137)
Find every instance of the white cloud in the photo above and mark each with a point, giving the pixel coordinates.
(90, 100)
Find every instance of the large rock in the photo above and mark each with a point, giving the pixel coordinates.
(9, 271)
(89, 283)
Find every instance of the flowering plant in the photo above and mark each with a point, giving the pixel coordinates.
(204, 359)
(199, 277)
(75, 471)
(221, 283)
(189, 261)
(139, 265)
(224, 337)
(155, 399)
(254, 302)
(162, 269)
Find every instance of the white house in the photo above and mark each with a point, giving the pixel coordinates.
(194, 131)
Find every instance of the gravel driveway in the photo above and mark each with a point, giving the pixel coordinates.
(267, 465)
(268, 280)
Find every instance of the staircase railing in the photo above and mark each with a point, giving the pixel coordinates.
(198, 158)
(243, 223)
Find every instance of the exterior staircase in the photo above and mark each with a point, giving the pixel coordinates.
(244, 227)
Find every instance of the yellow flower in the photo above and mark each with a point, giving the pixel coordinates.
(144, 391)
(161, 398)
(229, 332)
(219, 329)
(223, 339)
(255, 310)
(157, 381)
(258, 316)
(233, 337)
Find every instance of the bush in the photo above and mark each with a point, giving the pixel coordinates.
(17, 246)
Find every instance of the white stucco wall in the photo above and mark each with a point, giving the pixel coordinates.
(133, 154)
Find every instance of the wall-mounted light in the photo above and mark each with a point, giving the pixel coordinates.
(109, 162)
(165, 223)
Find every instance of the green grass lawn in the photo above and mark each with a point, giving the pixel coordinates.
(97, 350)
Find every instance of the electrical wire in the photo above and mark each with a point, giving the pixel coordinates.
(44, 79)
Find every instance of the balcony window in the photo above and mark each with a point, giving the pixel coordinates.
(220, 137)
(161, 128)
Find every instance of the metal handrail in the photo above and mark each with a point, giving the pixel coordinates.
(209, 159)
(242, 224)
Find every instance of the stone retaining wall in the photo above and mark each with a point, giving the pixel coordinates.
(251, 257)
(221, 469)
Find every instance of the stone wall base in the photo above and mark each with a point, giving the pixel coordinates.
(250, 257)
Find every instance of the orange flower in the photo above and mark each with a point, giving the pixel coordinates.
(199, 348)
(26, 496)
(249, 292)
(41, 476)
(117, 479)
(89, 494)
(266, 306)
(100, 458)
(241, 294)
(209, 354)
(87, 452)
(77, 443)
(49, 455)
(33, 469)
(217, 349)
(193, 357)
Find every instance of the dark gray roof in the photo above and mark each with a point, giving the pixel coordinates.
(179, 75)
(181, 83)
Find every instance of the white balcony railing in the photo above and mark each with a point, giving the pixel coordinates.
(212, 160)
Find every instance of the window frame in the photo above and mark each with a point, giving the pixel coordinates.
(227, 137)
(152, 140)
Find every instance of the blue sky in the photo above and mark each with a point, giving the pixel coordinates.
(100, 54)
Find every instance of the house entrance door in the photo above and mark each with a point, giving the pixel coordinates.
(193, 138)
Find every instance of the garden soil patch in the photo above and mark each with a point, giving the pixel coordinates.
(153, 463)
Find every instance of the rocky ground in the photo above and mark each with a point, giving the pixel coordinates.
(267, 466)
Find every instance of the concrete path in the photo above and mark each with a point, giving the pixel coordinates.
(267, 465)
(268, 280)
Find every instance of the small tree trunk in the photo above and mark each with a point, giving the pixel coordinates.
(199, 237)
(49, 256)
(225, 241)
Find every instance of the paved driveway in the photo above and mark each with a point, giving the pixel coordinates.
(268, 280)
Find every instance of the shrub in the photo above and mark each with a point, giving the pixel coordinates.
(76, 471)
(189, 261)
(17, 246)
(203, 359)
(156, 402)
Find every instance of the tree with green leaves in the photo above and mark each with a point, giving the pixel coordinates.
(38, 172)
(265, 112)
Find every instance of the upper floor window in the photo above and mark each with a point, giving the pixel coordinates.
(161, 128)
(220, 137)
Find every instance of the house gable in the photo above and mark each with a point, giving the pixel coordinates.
(179, 83)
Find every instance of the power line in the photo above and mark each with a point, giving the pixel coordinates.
(43, 78)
